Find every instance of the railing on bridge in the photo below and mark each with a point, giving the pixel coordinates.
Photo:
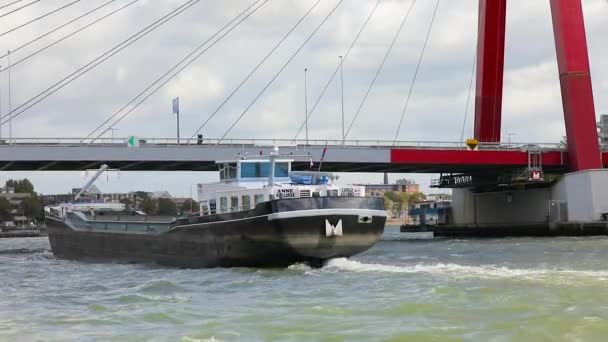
(172, 142)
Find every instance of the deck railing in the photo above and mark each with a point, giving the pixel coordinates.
(298, 143)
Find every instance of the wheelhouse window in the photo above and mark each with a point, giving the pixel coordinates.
(262, 170)
(223, 204)
(259, 198)
(212, 207)
(234, 203)
(228, 171)
(246, 202)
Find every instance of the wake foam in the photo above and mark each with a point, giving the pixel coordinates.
(465, 271)
(300, 267)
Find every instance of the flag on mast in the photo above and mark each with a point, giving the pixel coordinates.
(176, 105)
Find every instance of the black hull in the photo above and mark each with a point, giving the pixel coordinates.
(275, 234)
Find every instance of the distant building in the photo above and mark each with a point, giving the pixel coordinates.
(438, 197)
(94, 194)
(378, 190)
(55, 199)
(16, 201)
(603, 129)
(159, 194)
(431, 213)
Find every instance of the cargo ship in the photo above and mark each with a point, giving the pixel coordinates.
(260, 214)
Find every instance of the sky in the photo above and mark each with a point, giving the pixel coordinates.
(437, 109)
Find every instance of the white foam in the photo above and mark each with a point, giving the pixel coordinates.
(301, 267)
(189, 339)
(463, 271)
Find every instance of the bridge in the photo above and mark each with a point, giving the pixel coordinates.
(582, 151)
(165, 154)
(492, 167)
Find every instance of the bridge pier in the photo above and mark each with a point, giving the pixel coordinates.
(577, 204)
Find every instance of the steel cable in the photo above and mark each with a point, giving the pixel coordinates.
(58, 28)
(259, 65)
(64, 37)
(172, 69)
(466, 110)
(380, 67)
(40, 17)
(409, 95)
(100, 59)
(352, 45)
(280, 71)
(18, 9)
(9, 4)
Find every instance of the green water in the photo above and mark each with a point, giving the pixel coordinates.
(407, 288)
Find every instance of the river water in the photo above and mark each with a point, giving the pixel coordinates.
(409, 287)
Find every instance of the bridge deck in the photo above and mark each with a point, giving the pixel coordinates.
(419, 158)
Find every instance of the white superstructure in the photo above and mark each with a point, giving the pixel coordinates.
(246, 182)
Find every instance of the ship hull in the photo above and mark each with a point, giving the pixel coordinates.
(274, 234)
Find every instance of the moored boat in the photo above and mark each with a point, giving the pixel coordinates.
(260, 214)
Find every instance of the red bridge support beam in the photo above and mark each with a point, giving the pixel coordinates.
(575, 79)
(490, 69)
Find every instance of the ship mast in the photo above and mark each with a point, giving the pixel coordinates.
(89, 184)
(273, 164)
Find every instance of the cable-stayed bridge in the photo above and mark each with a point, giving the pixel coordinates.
(581, 152)
(157, 154)
(495, 184)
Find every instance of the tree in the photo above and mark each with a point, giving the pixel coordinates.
(127, 202)
(5, 209)
(166, 207)
(32, 208)
(21, 186)
(391, 195)
(416, 197)
(148, 206)
(141, 194)
(189, 205)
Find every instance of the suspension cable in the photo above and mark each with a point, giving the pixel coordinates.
(9, 4)
(66, 36)
(58, 28)
(380, 67)
(18, 8)
(259, 65)
(333, 76)
(409, 95)
(38, 18)
(257, 2)
(97, 61)
(466, 110)
(280, 71)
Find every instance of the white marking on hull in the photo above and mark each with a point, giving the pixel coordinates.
(326, 212)
(331, 230)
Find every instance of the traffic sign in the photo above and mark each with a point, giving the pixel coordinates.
(472, 144)
(536, 176)
(133, 141)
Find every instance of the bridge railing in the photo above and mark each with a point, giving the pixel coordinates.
(254, 142)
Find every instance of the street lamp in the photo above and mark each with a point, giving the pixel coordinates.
(342, 90)
(509, 135)
(112, 134)
(306, 103)
(10, 114)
